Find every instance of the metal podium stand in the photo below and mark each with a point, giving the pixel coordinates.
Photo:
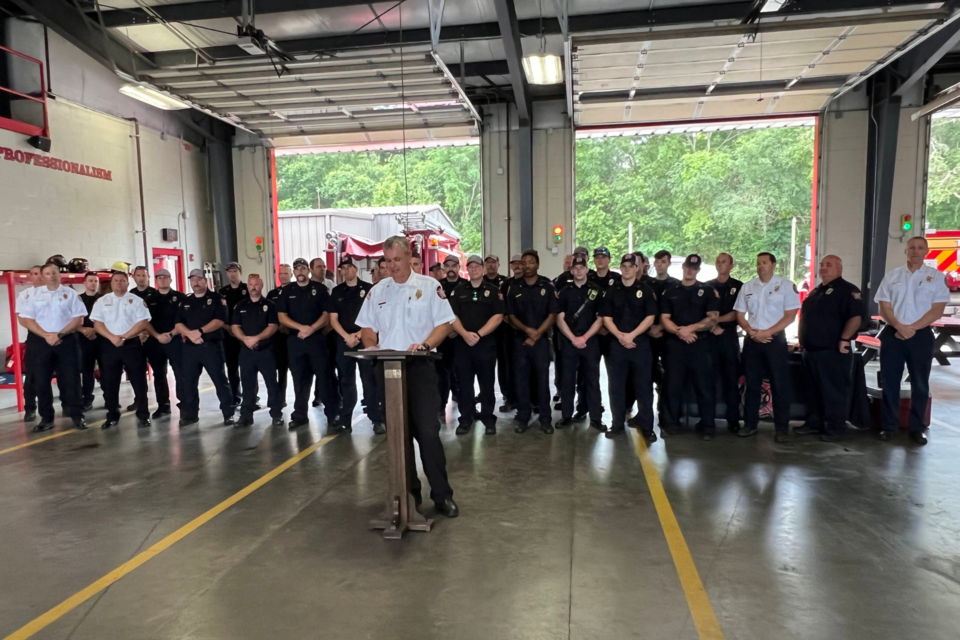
(400, 514)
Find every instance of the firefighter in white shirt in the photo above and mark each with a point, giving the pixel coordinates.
(766, 306)
(119, 318)
(910, 298)
(29, 388)
(52, 315)
(407, 311)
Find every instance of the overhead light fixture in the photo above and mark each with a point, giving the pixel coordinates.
(543, 68)
(772, 5)
(153, 97)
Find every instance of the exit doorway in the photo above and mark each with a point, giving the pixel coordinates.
(172, 261)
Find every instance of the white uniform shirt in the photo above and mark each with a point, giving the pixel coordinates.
(53, 310)
(119, 313)
(765, 304)
(405, 314)
(912, 294)
(25, 295)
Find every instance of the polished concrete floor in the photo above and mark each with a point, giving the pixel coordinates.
(558, 536)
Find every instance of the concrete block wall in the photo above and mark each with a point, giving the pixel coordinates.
(252, 195)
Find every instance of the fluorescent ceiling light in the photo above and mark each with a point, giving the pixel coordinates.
(543, 68)
(772, 5)
(153, 97)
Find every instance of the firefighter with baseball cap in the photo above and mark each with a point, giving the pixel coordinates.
(491, 268)
(688, 311)
(254, 322)
(200, 321)
(478, 306)
(446, 373)
(233, 292)
(165, 345)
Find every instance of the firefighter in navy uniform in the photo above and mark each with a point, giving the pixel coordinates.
(163, 333)
(254, 322)
(143, 290)
(119, 318)
(344, 307)
(830, 319)
(629, 308)
(579, 324)
(233, 292)
(532, 308)
(565, 279)
(199, 322)
(605, 279)
(285, 275)
(302, 306)
(89, 351)
(479, 309)
(503, 334)
(446, 373)
(725, 342)
(688, 312)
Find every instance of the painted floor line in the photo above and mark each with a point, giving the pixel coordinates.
(74, 601)
(939, 423)
(704, 617)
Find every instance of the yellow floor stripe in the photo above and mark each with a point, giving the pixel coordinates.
(79, 598)
(705, 619)
(69, 431)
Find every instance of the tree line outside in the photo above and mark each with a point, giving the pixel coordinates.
(943, 178)
(733, 191)
(705, 193)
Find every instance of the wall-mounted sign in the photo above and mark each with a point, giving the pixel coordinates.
(25, 157)
(169, 235)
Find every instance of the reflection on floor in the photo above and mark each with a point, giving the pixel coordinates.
(558, 536)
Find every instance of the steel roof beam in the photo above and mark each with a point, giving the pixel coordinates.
(311, 66)
(354, 85)
(284, 98)
(306, 131)
(510, 30)
(322, 73)
(193, 11)
(340, 93)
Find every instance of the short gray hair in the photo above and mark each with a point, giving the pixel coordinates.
(397, 242)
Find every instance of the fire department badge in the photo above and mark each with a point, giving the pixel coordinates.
(314, 291)
(420, 293)
(543, 292)
(829, 291)
(700, 293)
(929, 279)
(363, 294)
(129, 300)
(174, 298)
(593, 294)
(733, 290)
(610, 282)
(639, 293)
(776, 288)
(486, 294)
(209, 301)
(65, 295)
(264, 308)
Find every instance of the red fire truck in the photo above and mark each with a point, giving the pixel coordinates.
(943, 255)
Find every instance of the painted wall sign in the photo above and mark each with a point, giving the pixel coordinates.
(25, 157)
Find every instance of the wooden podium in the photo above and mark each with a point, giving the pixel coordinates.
(401, 512)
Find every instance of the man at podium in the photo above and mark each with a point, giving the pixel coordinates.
(407, 311)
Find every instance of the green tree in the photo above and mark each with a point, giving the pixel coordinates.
(731, 191)
(943, 181)
(448, 176)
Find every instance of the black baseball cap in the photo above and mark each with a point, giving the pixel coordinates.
(693, 261)
(301, 262)
(346, 261)
(629, 259)
(436, 265)
(232, 265)
(601, 251)
(579, 260)
(451, 258)
(581, 250)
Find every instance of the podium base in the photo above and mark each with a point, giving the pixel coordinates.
(395, 523)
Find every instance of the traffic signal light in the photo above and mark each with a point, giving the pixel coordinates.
(906, 222)
(558, 234)
(258, 242)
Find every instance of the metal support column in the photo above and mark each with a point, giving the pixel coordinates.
(883, 129)
(525, 180)
(220, 161)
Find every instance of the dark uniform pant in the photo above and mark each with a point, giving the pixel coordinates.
(231, 349)
(829, 373)
(447, 382)
(635, 366)
(196, 359)
(685, 363)
(423, 405)
(504, 336)
(252, 363)
(770, 358)
(173, 352)
(347, 372)
(89, 357)
(113, 361)
(532, 365)
(580, 370)
(157, 359)
(29, 384)
(283, 362)
(332, 379)
(917, 354)
(64, 359)
(476, 362)
(726, 354)
(308, 358)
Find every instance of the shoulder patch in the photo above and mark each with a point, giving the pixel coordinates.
(856, 295)
(716, 294)
(440, 293)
